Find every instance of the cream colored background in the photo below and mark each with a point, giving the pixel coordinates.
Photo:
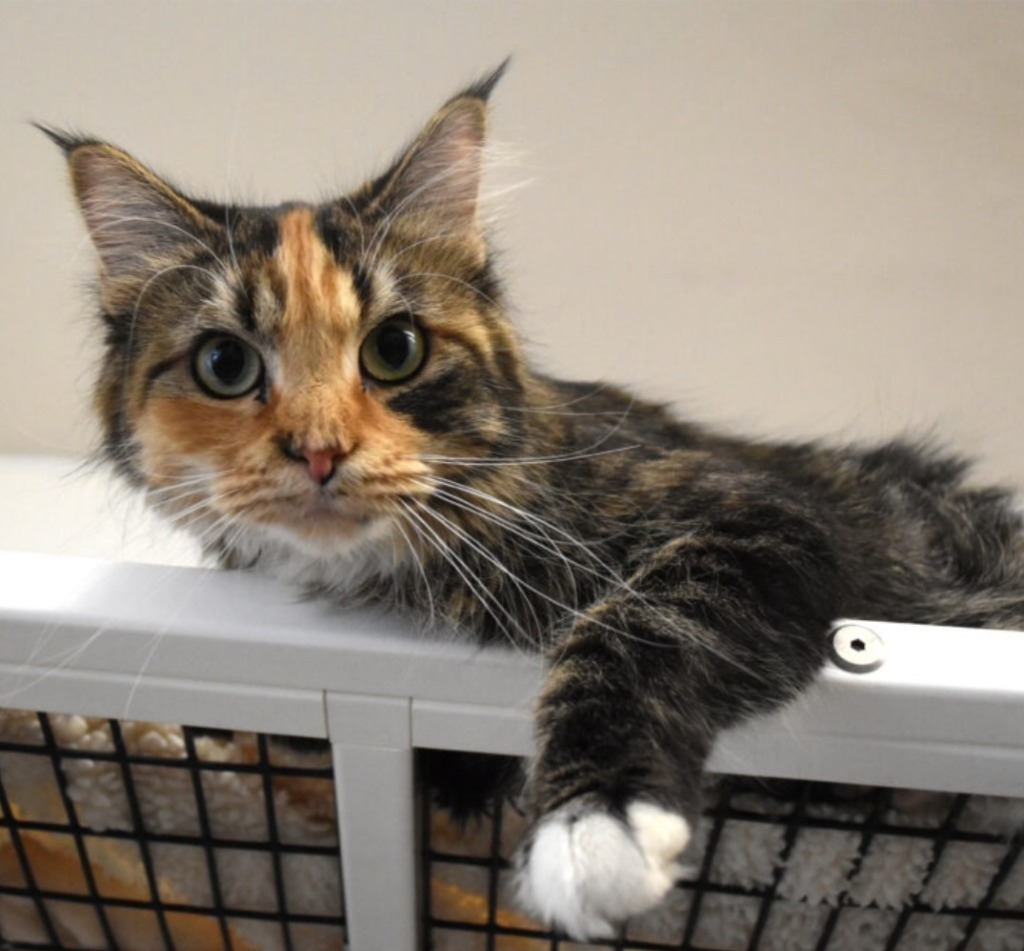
(793, 218)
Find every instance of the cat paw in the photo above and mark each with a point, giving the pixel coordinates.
(585, 870)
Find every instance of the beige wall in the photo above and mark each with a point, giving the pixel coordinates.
(789, 218)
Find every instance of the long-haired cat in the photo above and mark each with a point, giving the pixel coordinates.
(334, 393)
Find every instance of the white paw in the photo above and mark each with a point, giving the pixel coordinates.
(586, 871)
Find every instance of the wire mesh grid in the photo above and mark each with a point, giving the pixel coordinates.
(795, 866)
(132, 836)
(136, 836)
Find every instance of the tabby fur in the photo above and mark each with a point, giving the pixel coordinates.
(677, 580)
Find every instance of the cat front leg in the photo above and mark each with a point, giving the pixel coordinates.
(711, 631)
(615, 787)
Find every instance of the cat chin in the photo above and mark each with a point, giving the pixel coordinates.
(343, 543)
(335, 561)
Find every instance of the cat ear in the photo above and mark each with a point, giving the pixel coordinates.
(438, 176)
(135, 219)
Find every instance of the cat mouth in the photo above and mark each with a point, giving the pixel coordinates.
(327, 523)
(328, 518)
(330, 512)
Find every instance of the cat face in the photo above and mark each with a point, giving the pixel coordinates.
(301, 375)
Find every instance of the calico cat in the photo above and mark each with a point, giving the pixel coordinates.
(334, 393)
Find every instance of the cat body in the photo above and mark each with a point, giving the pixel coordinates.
(334, 393)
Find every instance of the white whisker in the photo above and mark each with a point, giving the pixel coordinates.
(446, 277)
(491, 559)
(471, 462)
(473, 582)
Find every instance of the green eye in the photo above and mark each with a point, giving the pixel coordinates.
(394, 351)
(226, 367)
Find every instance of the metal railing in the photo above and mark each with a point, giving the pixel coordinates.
(232, 651)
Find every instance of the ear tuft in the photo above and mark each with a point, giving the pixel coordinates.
(484, 86)
(65, 140)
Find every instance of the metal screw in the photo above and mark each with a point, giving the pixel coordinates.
(857, 649)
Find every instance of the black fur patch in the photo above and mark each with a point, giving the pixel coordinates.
(436, 405)
(259, 232)
(339, 233)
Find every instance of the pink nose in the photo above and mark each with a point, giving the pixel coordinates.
(321, 463)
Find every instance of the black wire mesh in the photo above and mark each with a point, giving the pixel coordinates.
(133, 836)
(130, 836)
(776, 866)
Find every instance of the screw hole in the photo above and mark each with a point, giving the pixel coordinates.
(857, 649)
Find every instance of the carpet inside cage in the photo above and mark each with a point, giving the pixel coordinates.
(775, 866)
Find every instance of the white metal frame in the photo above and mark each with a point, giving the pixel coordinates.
(208, 648)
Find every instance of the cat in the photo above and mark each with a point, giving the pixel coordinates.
(334, 393)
